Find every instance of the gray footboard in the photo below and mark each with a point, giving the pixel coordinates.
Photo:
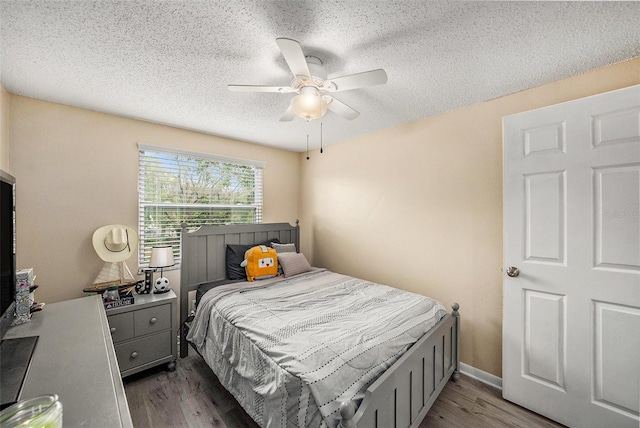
(403, 395)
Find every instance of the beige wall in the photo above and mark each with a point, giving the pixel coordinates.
(5, 98)
(419, 206)
(77, 170)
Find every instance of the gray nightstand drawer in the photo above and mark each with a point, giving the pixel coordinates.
(144, 350)
(152, 319)
(121, 326)
(145, 333)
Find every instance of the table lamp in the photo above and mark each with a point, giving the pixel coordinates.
(161, 257)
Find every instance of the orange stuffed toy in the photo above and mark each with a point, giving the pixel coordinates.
(260, 262)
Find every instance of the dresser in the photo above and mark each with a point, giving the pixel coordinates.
(75, 359)
(145, 333)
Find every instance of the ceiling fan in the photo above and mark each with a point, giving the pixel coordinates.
(312, 86)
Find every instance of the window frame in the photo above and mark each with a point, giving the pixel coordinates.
(147, 151)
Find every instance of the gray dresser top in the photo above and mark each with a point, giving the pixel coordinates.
(75, 359)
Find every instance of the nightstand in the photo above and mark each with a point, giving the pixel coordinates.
(145, 333)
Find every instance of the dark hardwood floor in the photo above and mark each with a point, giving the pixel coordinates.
(192, 396)
(471, 403)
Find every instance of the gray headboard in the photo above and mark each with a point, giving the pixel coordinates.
(204, 253)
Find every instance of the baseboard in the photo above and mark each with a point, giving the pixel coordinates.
(481, 375)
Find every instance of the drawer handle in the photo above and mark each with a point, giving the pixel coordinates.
(134, 354)
(113, 330)
(153, 320)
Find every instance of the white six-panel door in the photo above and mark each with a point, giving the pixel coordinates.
(571, 324)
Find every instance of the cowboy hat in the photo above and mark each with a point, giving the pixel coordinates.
(115, 242)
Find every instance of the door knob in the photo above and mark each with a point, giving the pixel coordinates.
(513, 271)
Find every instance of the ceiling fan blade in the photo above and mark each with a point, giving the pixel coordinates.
(294, 56)
(359, 80)
(258, 88)
(288, 115)
(342, 109)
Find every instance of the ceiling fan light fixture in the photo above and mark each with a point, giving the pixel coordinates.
(311, 84)
(309, 105)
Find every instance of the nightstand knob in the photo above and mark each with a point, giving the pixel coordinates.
(134, 354)
(113, 330)
(153, 320)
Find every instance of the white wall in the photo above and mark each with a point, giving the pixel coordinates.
(5, 99)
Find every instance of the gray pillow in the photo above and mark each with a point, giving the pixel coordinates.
(283, 248)
(293, 263)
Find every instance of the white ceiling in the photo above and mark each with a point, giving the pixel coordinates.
(170, 61)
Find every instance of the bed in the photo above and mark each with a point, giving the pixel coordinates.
(400, 393)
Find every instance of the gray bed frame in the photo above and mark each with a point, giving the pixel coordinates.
(400, 397)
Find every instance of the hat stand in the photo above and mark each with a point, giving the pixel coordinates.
(114, 272)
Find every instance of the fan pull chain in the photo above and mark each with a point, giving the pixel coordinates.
(321, 137)
(307, 146)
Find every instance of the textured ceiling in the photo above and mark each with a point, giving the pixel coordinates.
(170, 61)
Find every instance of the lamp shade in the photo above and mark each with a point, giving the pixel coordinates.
(309, 105)
(161, 257)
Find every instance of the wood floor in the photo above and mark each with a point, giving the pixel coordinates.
(191, 396)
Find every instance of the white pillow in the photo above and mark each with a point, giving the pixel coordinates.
(293, 263)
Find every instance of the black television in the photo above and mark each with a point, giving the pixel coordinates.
(7, 250)
(15, 353)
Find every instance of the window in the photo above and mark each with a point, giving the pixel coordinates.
(177, 186)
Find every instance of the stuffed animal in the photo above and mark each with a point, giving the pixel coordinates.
(260, 262)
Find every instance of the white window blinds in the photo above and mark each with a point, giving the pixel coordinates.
(177, 186)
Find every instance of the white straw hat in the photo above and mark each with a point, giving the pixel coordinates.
(115, 242)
